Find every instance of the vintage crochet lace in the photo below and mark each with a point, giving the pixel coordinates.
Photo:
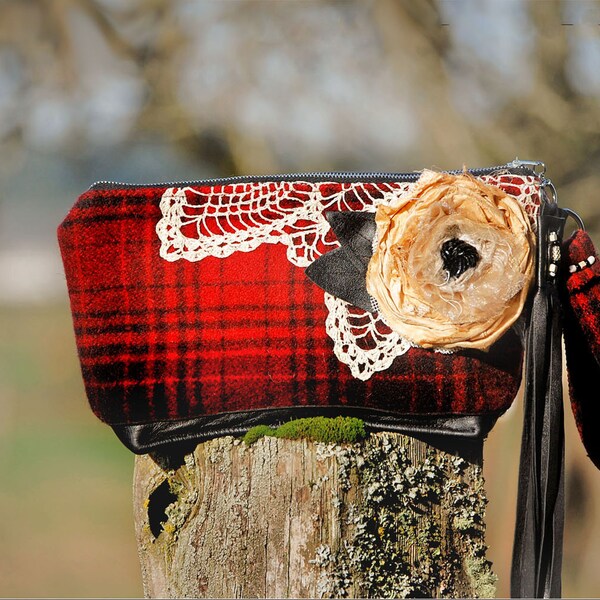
(217, 221)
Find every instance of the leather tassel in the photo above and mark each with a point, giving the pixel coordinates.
(537, 553)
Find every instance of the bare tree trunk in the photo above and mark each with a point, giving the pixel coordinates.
(388, 517)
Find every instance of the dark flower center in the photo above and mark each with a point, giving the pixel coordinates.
(458, 256)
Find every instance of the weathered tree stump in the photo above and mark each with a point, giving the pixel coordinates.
(389, 517)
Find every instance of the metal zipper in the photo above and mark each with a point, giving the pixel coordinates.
(534, 167)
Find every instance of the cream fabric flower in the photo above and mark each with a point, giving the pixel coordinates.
(453, 262)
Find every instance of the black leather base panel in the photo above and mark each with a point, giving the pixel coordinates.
(458, 434)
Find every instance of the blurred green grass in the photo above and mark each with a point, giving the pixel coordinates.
(66, 501)
(67, 527)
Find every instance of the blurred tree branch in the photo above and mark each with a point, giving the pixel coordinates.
(152, 42)
(421, 50)
(553, 121)
(114, 39)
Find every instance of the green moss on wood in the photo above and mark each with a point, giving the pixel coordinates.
(256, 433)
(318, 429)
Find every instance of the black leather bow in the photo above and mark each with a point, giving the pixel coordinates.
(343, 271)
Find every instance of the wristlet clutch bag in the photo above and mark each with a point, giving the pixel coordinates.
(406, 299)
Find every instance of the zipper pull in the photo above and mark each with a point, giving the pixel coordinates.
(537, 166)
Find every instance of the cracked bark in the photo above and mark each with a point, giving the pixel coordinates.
(390, 516)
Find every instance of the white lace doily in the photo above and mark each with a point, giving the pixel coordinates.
(200, 222)
(360, 339)
(217, 221)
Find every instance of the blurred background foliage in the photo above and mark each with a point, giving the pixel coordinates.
(161, 90)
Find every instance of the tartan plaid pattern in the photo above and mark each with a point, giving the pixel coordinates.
(161, 340)
(581, 302)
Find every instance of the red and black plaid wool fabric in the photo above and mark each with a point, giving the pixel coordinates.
(581, 303)
(162, 340)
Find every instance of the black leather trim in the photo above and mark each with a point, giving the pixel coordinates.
(537, 549)
(343, 271)
(459, 434)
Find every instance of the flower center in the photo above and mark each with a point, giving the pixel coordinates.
(458, 256)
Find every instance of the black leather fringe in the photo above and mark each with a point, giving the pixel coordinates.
(537, 553)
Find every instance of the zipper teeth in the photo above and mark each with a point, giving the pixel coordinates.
(313, 177)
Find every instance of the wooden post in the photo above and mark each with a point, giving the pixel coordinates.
(390, 516)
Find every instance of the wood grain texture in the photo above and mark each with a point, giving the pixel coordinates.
(388, 517)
